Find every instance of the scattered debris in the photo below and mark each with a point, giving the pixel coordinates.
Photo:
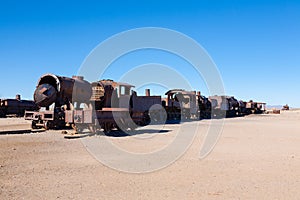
(276, 111)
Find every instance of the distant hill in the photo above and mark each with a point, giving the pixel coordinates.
(269, 107)
(274, 106)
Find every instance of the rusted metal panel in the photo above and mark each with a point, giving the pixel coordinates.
(78, 116)
(47, 115)
(29, 115)
(69, 116)
(39, 115)
(124, 101)
(88, 116)
(143, 103)
(111, 115)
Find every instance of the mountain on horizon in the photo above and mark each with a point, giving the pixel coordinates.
(274, 106)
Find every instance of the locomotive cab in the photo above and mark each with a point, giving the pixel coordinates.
(110, 94)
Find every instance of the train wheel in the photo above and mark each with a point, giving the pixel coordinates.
(78, 128)
(47, 125)
(120, 124)
(33, 125)
(73, 126)
(132, 126)
(92, 128)
(107, 127)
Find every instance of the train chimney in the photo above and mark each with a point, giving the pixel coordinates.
(18, 97)
(147, 91)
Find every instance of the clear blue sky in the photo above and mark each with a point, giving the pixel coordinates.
(255, 44)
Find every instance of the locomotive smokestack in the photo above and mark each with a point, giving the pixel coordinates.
(147, 91)
(18, 97)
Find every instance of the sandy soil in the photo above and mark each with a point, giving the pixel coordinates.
(256, 157)
(14, 124)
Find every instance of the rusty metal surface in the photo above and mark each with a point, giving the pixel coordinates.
(61, 90)
(144, 103)
(69, 116)
(37, 115)
(109, 101)
(81, 116)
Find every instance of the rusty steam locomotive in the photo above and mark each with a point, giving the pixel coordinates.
(107, 105)
(16, 107)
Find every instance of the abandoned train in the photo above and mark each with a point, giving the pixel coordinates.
(106, 105)
(16, 107)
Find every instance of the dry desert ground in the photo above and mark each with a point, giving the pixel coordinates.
(256, 157)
